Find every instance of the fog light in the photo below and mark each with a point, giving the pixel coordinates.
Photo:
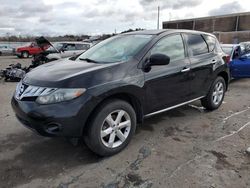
(53, 128)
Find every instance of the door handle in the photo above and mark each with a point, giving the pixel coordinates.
(185, 69)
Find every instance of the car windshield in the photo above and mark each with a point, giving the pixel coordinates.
(58, 46)
(116, 49)
(227, 50)
(245, 48)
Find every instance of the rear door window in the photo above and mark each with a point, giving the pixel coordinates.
(196, 44)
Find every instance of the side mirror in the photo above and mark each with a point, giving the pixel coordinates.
(156, 59)
(159, 59)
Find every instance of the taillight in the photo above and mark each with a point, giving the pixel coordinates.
(227, 58)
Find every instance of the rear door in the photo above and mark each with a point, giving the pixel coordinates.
(202, 57)
(168, 85)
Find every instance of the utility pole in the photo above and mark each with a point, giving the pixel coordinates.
(158, 18)
(8, 35)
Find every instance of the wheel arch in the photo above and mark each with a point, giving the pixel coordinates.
(225, 76)
(25, 51)
(128, 97)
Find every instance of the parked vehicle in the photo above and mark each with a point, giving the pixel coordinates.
(239, 60)
(15, 72)
(102, 94)
(6, 50)
(60, 50)
(26, 51)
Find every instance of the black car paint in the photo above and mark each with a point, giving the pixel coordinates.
(162, 87)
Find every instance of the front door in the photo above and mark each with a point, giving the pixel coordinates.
(168, 85)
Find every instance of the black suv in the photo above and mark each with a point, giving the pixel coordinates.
(102, 94)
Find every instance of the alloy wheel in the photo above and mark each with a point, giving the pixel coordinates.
(115, 129)
(25, 54)
(218, 93)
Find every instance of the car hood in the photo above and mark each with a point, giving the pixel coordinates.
(44, 44)
(70, 74)
(41, 42)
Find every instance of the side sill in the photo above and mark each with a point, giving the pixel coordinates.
(172, 107)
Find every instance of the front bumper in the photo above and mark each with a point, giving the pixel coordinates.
(66, 119)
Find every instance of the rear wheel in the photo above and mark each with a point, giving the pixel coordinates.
(216, 94)
(111, 128)
(0, 53)
(25, 54)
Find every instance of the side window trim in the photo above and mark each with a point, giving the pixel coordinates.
(208, 49)
(185, 44)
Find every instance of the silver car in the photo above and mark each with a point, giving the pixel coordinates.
(6, 50)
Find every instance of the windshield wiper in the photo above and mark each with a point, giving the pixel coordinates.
(88, 60)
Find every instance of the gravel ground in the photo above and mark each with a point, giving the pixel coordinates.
(185, 147)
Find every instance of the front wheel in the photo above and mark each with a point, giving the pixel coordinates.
(216, 94)
(111, 128)
(25, 54)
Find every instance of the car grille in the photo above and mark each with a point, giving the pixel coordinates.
(23, 91)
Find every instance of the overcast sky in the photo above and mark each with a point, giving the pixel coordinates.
(59, 17)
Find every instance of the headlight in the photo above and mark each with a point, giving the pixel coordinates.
(60, 95)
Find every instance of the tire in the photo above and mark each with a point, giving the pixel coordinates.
(112, 141)
(25, 54)
(0, 53)
(216, 94)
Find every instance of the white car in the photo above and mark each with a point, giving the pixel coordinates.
(66, 49)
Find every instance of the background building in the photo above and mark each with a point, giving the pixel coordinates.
(231, 28)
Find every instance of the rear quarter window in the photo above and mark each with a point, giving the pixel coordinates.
(211, 42)
(196, 44)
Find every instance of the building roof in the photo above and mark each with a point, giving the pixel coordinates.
(209, 17)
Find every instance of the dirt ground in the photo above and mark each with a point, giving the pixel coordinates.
(185, 147)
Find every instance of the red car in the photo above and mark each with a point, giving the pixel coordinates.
(26, 51)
